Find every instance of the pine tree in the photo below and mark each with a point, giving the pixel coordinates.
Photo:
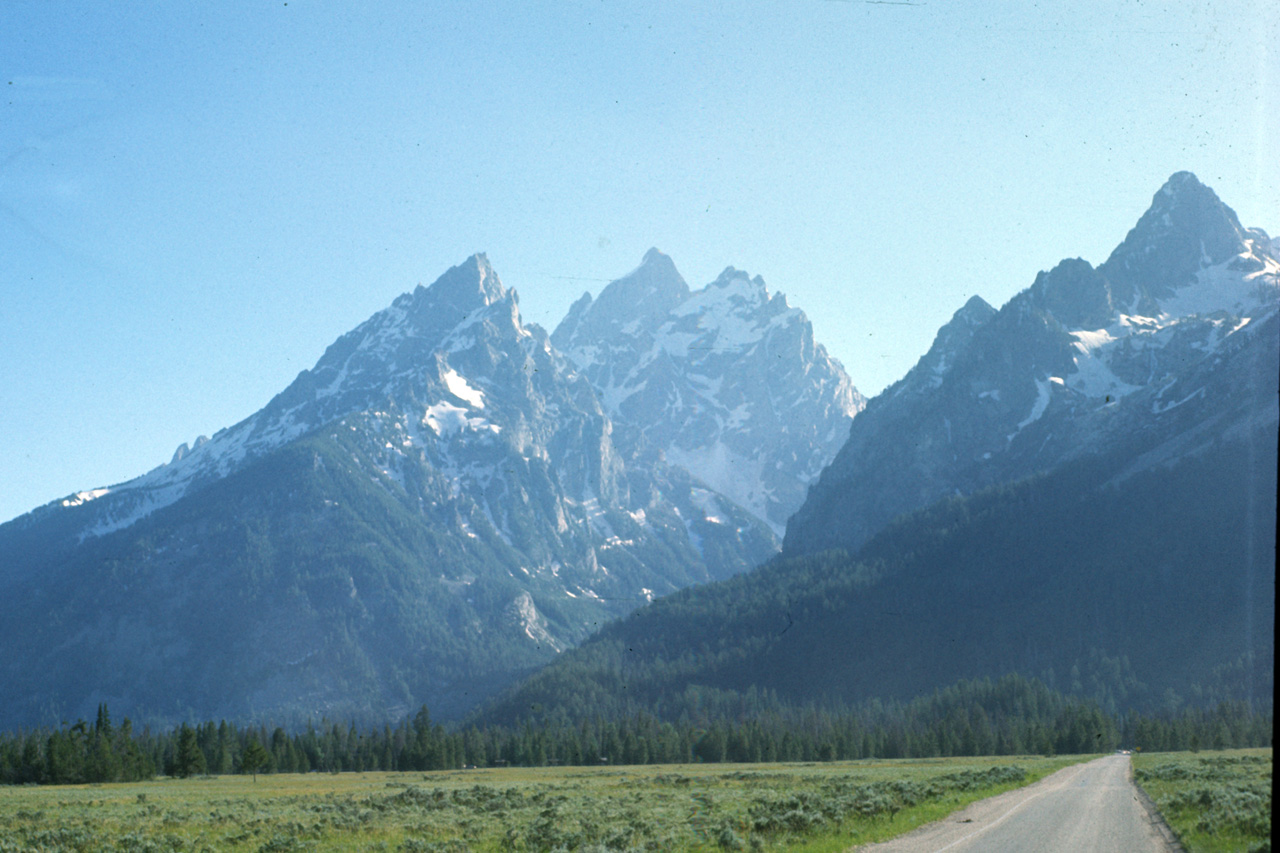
(189, 760)
(254, 758)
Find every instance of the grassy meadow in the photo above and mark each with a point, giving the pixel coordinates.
(698, 807)
(1215, 801)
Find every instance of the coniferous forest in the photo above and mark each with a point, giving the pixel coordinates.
(1011, 716)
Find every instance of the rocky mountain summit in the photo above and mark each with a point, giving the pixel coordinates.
(1167, 347)
(725, 382)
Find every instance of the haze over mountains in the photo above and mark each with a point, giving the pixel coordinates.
(441, 504)
(1080, 483)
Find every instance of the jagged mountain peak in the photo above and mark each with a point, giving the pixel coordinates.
(417, 321)
(737, 293)
(974, 312)
(952, 339)
(656, 257)
(1075, 293)
(741, 293)
(650, 290)
(650, 286)
(1187, 228)
(470, 285)
(732, 274)
(1183, 189)
(726, 381)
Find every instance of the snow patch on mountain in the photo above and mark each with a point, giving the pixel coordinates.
(1043, 395)
(1222, 287)
(735, 475)
(1241, 288)
(459, 388)
(137, 504)
(84, 497)
(1093, 376)
(446, 419)
(1158, 408)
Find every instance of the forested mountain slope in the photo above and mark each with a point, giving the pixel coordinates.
(1141, 592)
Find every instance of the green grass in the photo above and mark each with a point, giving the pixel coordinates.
(699, 807)
(1213, 801)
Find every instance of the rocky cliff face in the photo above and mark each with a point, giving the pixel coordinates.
(726, 383)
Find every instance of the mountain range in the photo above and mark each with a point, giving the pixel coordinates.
(442, 504)
(1079, 487)
(453, 507)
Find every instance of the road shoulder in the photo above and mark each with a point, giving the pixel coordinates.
(1153, 813)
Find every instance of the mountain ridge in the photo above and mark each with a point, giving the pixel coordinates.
(1054, 372)
(447, 509)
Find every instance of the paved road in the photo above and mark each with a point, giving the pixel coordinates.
(1086, 807)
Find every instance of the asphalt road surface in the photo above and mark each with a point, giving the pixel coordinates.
(1091, 807)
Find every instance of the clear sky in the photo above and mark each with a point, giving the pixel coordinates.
(197, 198)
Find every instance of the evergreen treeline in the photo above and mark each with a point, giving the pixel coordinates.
(99, 752)
(1012, 716)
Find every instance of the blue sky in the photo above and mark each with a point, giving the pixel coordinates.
(195, 199)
